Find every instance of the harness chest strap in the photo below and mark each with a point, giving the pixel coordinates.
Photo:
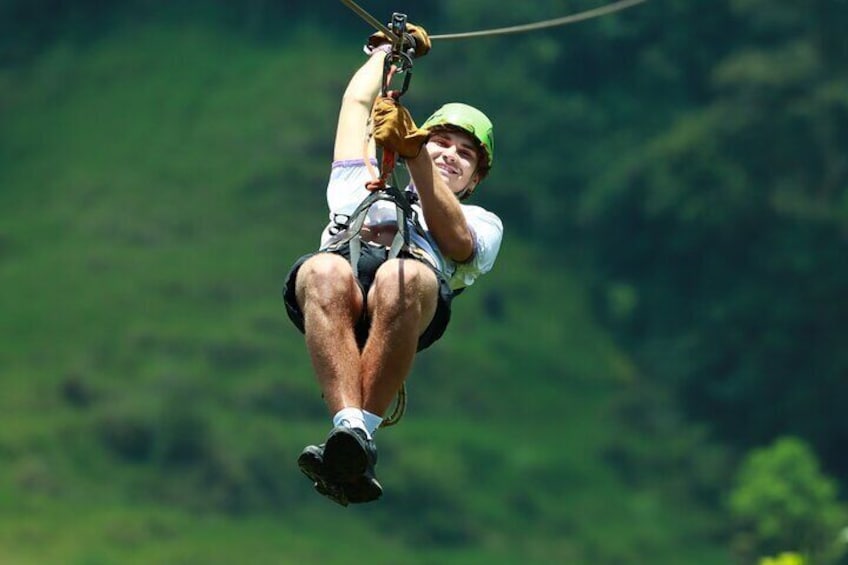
(349, 231)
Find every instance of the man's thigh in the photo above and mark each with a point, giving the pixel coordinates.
(416, 283)
(303, 274)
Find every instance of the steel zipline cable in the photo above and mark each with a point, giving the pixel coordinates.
(579, 17)
(369, 18)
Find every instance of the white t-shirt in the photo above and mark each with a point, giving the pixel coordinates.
(346, 190)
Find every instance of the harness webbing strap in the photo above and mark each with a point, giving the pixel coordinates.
(349, 230)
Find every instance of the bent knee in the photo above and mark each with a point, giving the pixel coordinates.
(325, 277)
(404, 289)
(405, 274)
(403, 285)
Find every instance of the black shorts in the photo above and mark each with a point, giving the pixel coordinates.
(370, 259)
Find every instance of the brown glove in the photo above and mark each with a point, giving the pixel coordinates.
(394, 129)
(418, 35)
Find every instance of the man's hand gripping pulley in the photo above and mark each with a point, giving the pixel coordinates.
(394, 130)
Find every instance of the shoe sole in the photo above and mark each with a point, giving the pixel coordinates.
(313, 468)
(362, 489)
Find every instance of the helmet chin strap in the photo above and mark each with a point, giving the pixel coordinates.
(465, 193)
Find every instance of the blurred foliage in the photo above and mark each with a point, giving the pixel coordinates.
(784, 559)
(727, 230)
(781, 501)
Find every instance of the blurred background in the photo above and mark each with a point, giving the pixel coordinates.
(655, 371)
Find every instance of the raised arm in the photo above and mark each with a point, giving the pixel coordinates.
(358, 97)
(364, 86)
(441, 208)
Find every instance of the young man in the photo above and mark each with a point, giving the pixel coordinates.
(365, 319)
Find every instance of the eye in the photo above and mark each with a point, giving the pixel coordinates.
(440, 141)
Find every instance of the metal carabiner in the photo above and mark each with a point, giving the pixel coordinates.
(398, 61)
(396, 64)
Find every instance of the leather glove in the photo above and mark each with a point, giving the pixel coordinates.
(415, 35)
(394, 129)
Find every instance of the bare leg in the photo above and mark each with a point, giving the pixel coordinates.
(401, 304)
(331, 302)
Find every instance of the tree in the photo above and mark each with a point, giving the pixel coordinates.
(781, 501)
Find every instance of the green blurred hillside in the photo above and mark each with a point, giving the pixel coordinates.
(156, 186)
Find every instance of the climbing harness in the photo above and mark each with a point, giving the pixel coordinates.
(347, 228)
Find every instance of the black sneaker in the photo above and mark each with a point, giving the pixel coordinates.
(348, 460)
(311, 463)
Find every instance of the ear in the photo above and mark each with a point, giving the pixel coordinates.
(469, 188)
(475, 180)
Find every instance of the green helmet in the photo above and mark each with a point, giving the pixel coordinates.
(469, 119)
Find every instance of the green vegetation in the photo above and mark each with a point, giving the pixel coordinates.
(669, 294)
(781, 499)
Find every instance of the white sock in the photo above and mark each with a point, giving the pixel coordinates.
(372, 421)
(350, 418)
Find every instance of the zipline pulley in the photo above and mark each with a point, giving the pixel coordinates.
(399, 60)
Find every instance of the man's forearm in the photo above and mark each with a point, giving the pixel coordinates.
(356, 107)
(441, 208)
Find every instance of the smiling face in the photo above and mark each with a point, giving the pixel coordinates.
(456, 157)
